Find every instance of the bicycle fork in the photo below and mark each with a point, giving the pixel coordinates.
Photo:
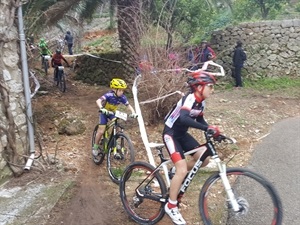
(118, 150)
(231, 197)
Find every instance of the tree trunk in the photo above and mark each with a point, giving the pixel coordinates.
(129, 17)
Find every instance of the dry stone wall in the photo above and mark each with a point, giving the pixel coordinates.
(272, 47)
(100, 69)
(12, 84)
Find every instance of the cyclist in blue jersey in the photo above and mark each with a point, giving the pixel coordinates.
(187, 113)
(110, 102)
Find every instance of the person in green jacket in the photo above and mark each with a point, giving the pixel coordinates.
(44, 50)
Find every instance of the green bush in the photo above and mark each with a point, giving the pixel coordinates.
(297, 7)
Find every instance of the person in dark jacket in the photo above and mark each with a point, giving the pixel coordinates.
(206, 52)
(69, 42)
(239, 57)
(201, 55)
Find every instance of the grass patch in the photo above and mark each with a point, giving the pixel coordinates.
(285, 86)
(273, 84)
(98, 41)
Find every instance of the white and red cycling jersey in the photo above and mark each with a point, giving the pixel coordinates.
(187, 113)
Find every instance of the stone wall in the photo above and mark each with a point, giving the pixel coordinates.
(11, 82)
(272, 47)
(99, 69)
(14, 83)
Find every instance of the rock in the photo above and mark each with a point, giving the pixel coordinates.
(71, 126)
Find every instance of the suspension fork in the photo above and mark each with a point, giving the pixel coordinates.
(226, 184)
(115, 132)
(118, 129)
(106, 140)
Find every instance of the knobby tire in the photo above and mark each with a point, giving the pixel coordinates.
(254, 193)
(62, 81)
(145, 208)
(97, 159)
(125, 152)
(46, 66)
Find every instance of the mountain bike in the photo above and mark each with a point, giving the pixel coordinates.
(116, 146)
(60, 79)
(45, 63)
(234, 196)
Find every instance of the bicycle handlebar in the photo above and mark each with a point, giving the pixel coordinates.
(220, 138)
(109, 112)
(119, 114)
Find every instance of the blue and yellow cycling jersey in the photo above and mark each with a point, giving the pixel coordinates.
(111, 101)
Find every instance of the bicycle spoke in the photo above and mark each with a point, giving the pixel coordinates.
(257, 201)
(119, 157)
(97, 159)
(62, 81)
(138, 193)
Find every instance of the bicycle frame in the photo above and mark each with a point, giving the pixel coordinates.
(207, 147)
(108, 136)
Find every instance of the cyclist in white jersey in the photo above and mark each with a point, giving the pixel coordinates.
(187, 113)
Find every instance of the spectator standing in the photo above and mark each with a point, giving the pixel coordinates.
(239, 57)
(206, 53)
(198, 56)
(69, 42)
(193, 52)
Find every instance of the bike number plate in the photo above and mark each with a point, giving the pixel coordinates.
(60, 68)
(47, 56)
(121, 115)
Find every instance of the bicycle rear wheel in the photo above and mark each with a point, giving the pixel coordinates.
(258, 200)
(142, 195)
(119, 160)
(62, 81)
(46, 66)
(100, 157)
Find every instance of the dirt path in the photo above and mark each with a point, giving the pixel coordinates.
(94, 199)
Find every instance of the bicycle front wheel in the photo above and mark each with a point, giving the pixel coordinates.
(120, 155)
(100, 157)
(46, 66)
(143, 194)
(62, 82)
(258, 200)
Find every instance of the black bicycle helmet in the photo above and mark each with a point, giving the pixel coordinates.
(58, 51)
